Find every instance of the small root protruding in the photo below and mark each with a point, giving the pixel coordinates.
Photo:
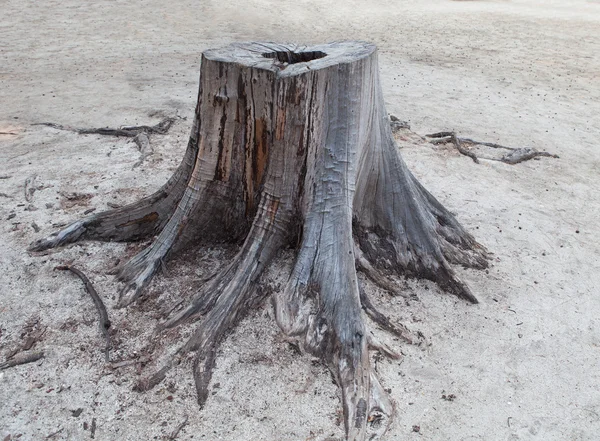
(136, 275)
(30, 188)
(374, 275)
(397, 124)
(376, 345)
(382, 320)
(225, 298)
(523, 154)
(155, 379)
(451, 137)
(181, 425)
(143, 143)
(204, 364)
(447, 279)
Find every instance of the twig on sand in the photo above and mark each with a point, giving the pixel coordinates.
(29, 188)
(52, 435)
(104, 321)
(20, 359)
(129, 362)
(33, 333)
(514, 156)
(178, 429)
(523, 154)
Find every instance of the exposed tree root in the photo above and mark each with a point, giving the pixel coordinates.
(514, 156)
(224, 299)
(104, 321)
(374, 275)
(401, 228)
(138, 272)
(523, 154)
(451, 136)
(149, 383)
(134, 221)
(397, 124)
(22, 358)
(140, 134)
(287, 154)
(200, 201)
(127, 131)
(382, 320)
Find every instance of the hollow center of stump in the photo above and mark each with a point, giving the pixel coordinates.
(294, 57)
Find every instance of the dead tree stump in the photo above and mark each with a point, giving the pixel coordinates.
(291, 146)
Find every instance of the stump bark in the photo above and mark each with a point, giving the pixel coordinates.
(291, 147)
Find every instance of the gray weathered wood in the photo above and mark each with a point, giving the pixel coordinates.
(292, 145)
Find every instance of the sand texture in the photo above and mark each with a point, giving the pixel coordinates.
(523, 364)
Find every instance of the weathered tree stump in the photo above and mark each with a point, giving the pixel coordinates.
(291, 146)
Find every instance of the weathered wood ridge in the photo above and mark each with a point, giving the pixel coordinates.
(292, 146)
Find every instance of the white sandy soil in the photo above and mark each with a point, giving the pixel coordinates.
(522, 365)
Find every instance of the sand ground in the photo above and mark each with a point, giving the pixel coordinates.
(523, 364)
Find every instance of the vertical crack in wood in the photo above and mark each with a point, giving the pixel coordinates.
(297, 151)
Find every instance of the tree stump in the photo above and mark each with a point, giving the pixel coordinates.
(291, 146)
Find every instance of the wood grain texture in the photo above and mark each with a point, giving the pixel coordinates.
(292, 146)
